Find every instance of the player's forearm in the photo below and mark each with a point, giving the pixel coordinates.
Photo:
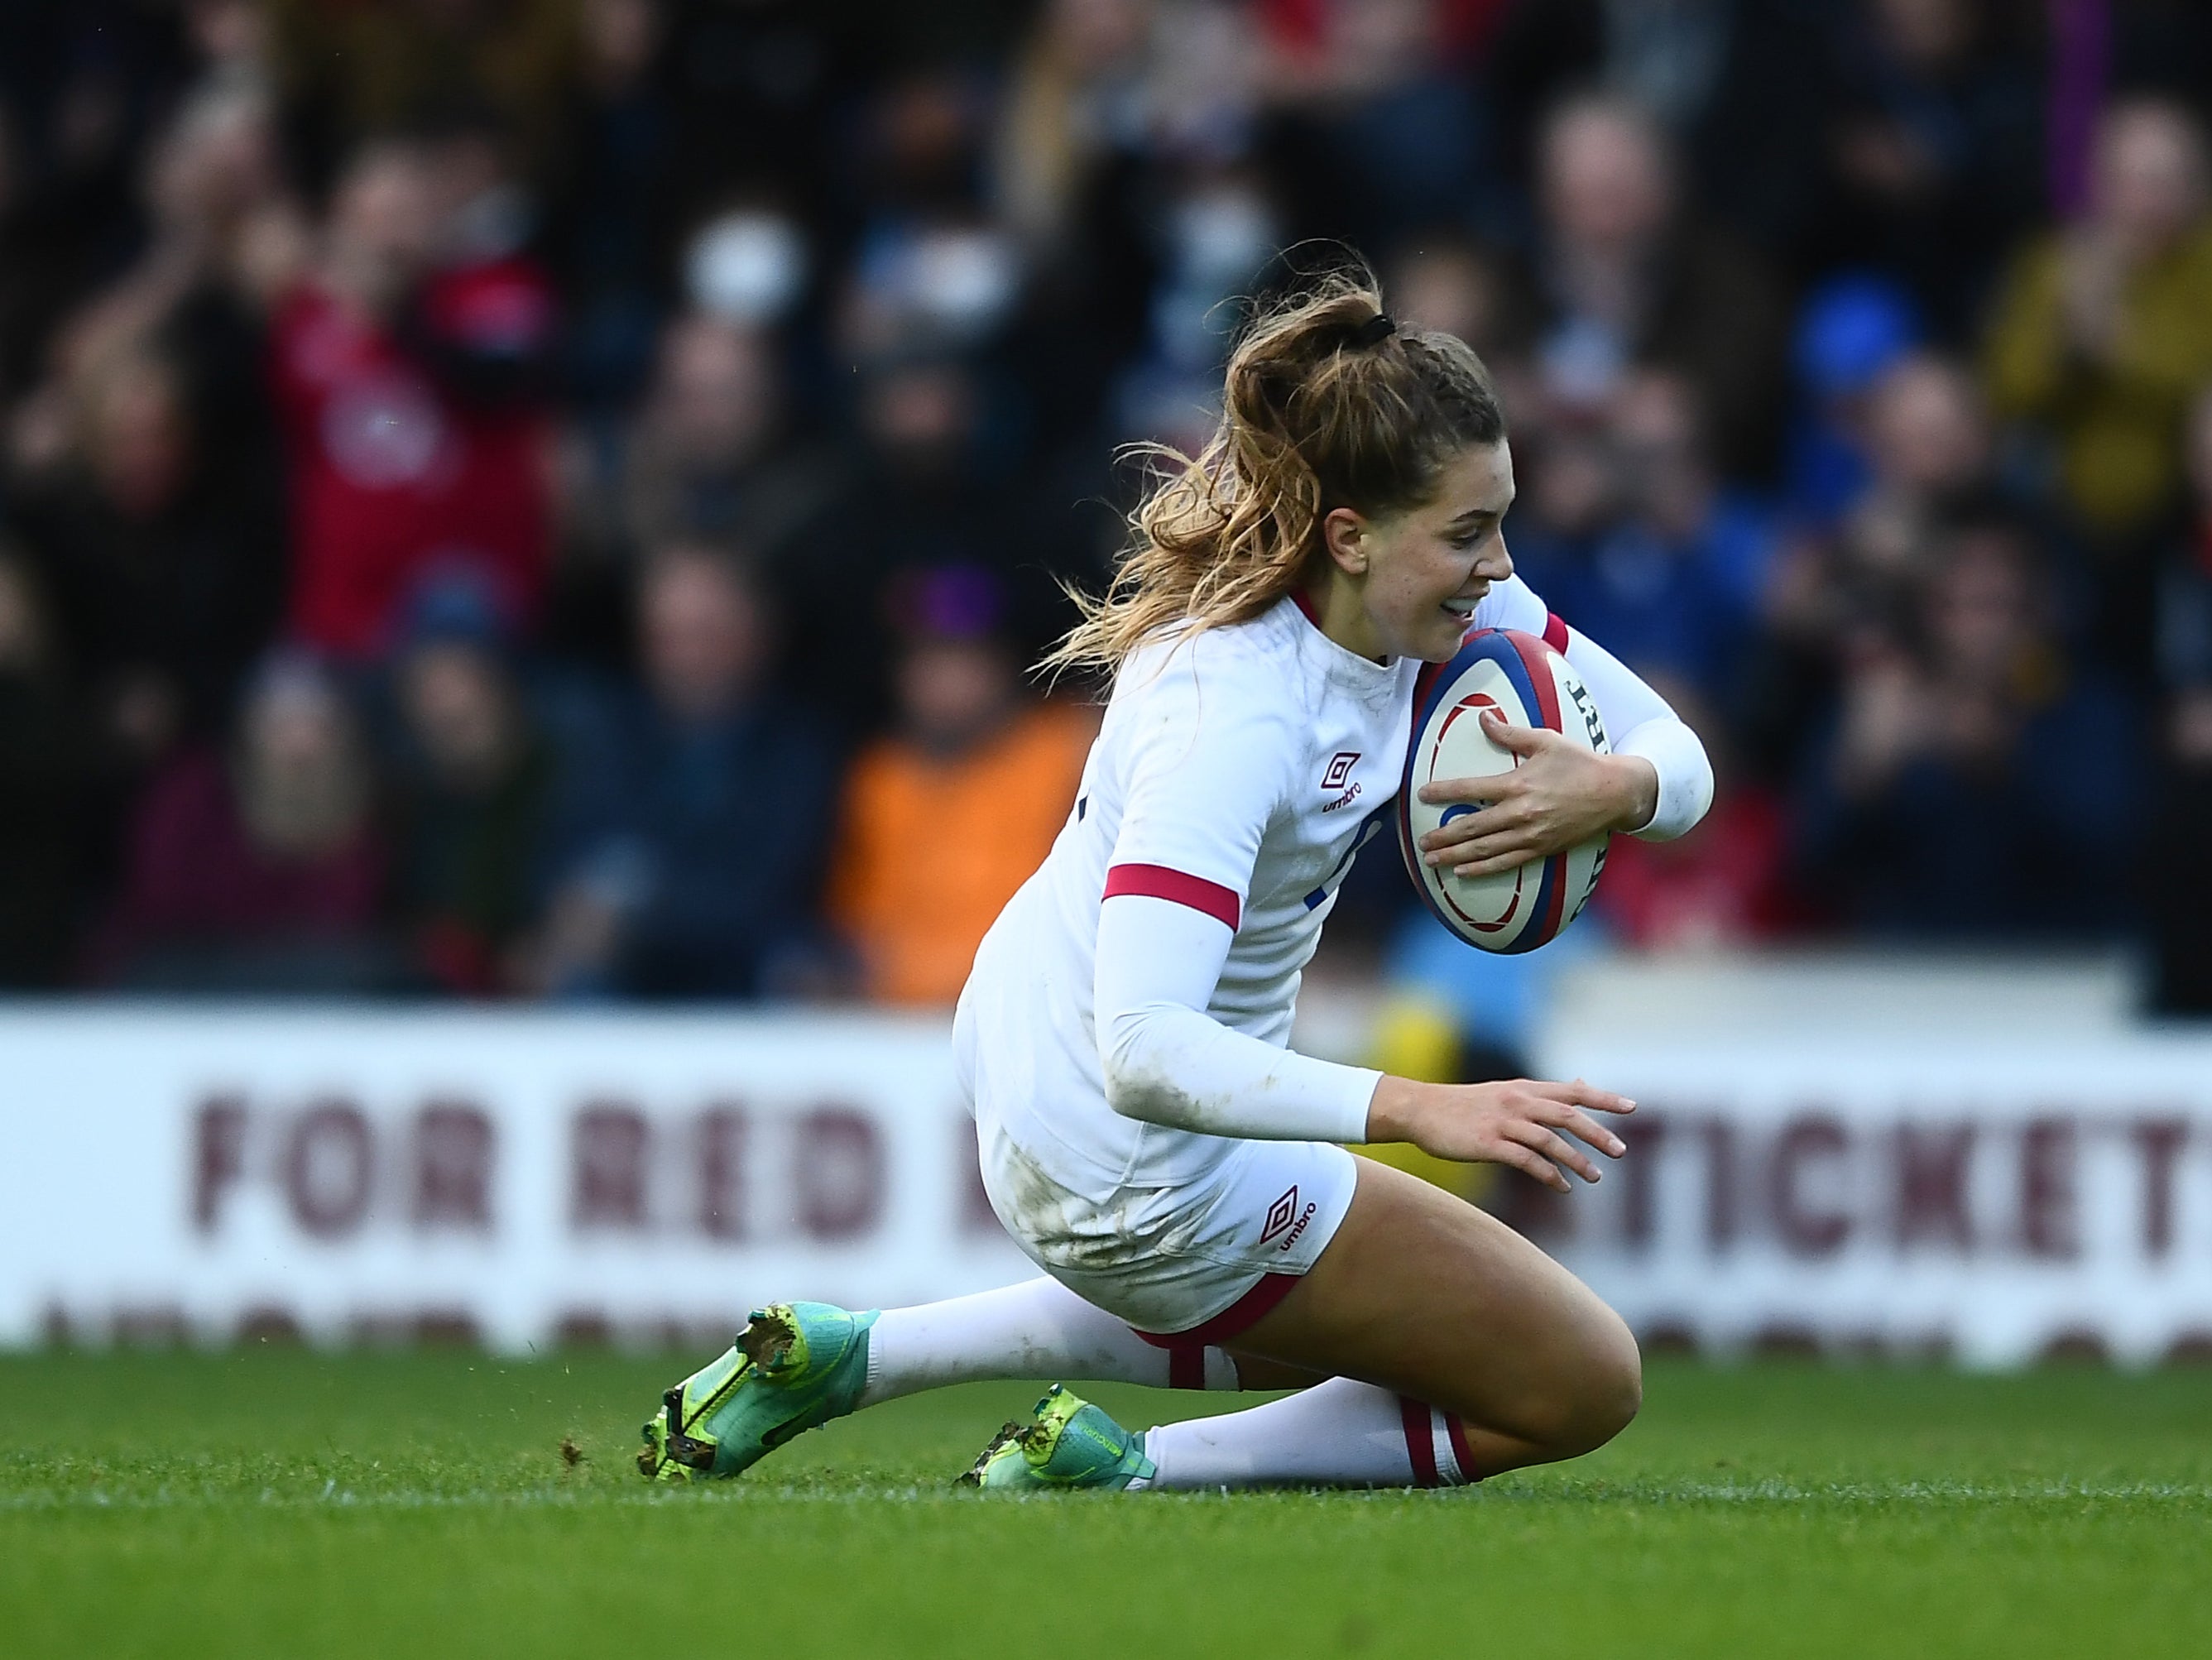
(1681, 776)
(1166, 1060)
(1645, 729)
(1168, 1064)
(1634, 784)
(1395, 1112)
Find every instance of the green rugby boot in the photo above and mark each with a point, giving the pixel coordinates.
(1067, 1443)
(794, 1367)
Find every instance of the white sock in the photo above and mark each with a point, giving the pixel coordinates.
(1339, 1434)
(1038, 1329)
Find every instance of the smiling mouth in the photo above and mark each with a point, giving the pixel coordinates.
(1462, 609)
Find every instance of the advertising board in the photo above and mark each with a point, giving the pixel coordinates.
(514, 1178)
(1990, 1202)
(521, 1179)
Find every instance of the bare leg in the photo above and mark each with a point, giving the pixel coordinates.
(1424, 1294)
(1257, 1371)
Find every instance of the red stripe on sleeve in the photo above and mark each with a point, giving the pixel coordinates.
(1555, 632)
(1158, 882)
(1418, 1446)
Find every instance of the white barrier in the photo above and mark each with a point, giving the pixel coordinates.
(198, 1173)
(1975, 1158)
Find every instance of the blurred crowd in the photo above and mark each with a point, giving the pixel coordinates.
(556, 498)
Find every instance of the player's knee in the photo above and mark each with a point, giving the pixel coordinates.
(1606, 1395)
(1620, 1390)
(1616, 1387)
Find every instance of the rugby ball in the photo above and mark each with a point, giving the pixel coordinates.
(1530, 684)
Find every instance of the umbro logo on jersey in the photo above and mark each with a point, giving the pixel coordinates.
(1284, 1218)
(1340, 768)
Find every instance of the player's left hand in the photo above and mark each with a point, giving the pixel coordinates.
(1559, 795)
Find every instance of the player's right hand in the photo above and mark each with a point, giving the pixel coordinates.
(1523, 1123)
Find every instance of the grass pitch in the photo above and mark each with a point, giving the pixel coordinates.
(280, 1503)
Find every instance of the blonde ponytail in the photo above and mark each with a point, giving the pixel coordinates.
(1326, 403)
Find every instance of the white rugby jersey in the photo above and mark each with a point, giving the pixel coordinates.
(1127, 1012)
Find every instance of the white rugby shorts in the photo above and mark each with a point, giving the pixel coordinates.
(1186, 1266)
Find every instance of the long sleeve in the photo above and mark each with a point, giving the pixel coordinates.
(1168, 1061)
(1215, 753)
(1637, 719)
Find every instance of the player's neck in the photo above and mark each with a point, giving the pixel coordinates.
(1333, 607)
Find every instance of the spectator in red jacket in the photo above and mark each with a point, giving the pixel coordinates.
(405, 378)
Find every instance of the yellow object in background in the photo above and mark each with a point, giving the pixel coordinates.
(1415, 1037)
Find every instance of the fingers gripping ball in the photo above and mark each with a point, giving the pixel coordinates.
(1521, 679)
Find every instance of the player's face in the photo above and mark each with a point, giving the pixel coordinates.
(1430, 566)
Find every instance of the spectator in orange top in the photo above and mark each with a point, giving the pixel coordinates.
(945, 819)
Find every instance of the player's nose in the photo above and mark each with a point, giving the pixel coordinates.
(1496, 564)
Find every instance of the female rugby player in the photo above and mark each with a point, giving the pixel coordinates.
(1178, 1174)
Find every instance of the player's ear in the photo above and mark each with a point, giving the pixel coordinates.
(1345, 535)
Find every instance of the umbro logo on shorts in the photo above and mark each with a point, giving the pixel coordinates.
(1284, 1217)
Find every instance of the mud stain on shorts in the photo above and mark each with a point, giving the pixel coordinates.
(1069, 1229)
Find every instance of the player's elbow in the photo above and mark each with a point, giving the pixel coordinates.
(1699, 786)
(1138, 1087)
(1135, 1067)
(1686, 775)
